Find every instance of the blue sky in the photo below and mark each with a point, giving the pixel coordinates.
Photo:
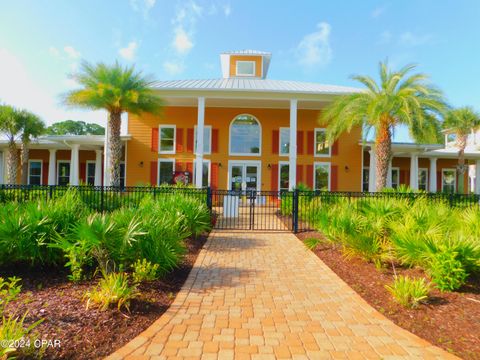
(41, 42)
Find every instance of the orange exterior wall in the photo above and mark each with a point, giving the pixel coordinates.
(235, 58)
(139, 154)
(403, 163)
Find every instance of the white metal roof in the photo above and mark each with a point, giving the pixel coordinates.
(247, 52)
(254, 85)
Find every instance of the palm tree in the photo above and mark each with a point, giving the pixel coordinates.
(10, 127)
(400, 98)
(31, 128)
(116, 89)
(461, 122)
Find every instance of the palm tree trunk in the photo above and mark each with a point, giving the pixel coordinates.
(12, 163)
(462, 144)
(383, 152)
(25, 155)
(115, 145)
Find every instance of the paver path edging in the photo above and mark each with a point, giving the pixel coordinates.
(253, 295)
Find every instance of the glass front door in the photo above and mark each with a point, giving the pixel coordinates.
(244, 176)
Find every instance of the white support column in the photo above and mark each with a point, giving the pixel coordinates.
(414, 171)
(432, 176)
(199, 150)
(106, 158)
(52, 166)
(74, 154)
(477, 177)
(389, 174)
(2, 165)
(372, 176)
(98, 167)
(292, 160)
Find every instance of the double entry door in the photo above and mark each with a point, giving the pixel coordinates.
(244, 175)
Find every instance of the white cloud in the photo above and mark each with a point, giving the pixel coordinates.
(19, 88)
(143, 6)
(182, 42)
(129, 52)
(314, 49)
(71, 52)
(184, 22)
(172, 68)
(227, 10)
(410, 39)
(377, 12)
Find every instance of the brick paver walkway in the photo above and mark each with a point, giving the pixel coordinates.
(265, 296)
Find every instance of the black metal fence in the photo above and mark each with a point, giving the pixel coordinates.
(242, 210)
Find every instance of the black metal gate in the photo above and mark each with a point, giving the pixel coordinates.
(254, 210)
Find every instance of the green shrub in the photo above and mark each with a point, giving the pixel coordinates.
(144, 270)
(409, 292)
(9, 291)
(447, 271)
(12, 329)
(112, 289)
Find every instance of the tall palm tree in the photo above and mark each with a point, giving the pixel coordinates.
(10, 127)
(461, 122)
(31, 128)
(116, 89)
(400, 98)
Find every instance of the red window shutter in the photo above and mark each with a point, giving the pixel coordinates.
(403, 177)
(214, 141)
(335, 148)
(190, 141)
(274, 177)
(45, 173)
(310, 142)
(439, 181)
(309, 179)
(275, 141)
(179, 140)
(190, 170)
(299, 174)
(334, 178)
(178, 166)
(83, 173)
(153, 173)
(300, 142)
(154, 143)
(214, 176)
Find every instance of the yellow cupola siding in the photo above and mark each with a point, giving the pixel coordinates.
(245, 64)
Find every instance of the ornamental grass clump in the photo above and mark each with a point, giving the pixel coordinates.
(409, 292)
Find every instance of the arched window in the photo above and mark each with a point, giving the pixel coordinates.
(245, 136)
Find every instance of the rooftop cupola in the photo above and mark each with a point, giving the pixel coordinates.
(245, 64)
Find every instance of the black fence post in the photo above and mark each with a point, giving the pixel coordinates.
(209, 199)
(295, 211)
(102, 198)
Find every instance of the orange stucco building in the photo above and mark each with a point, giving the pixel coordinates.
(245, 131)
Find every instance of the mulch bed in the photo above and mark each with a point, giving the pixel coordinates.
(449, 320)
(93, 334)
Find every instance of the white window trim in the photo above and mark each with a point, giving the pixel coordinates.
(209, 169)
(58, 169)
(195, 139)
(86, 169)
(454, 178)
(41, 170)
(397, 169)
(172, 160)
(322, 163)
(315, 144)
(230, 138)
(245, 61)
(427, 178)
(280, 164)
(160, 127)
(280, 141)
(245, 162)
